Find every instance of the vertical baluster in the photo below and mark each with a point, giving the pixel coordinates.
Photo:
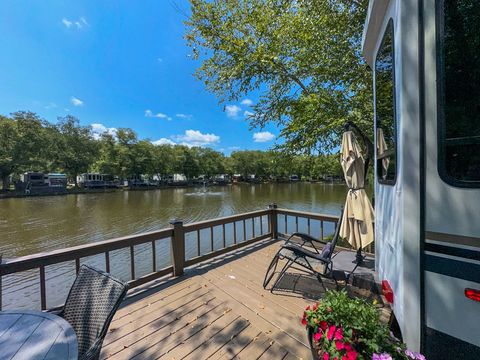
(321, 230)
(154, 256)
(43, 295)
(198, 242)
(253, 227)
(211, 238)
(234, 232)
(244, 230)
(296, 223)
(107, 261)
(261, 225)
(223, 236)
(308, 226)
(132, 262)
(286, 225)
(77, 265)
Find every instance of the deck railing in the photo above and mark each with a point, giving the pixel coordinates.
(263, 224)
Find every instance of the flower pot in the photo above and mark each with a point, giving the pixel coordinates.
(313, 349)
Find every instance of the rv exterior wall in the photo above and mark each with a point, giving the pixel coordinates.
(409, 131)
(453, 212)
(397, 212)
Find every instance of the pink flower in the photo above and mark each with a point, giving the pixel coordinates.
(339, 334)
(315, 306)
(331, 332)
(326, 356)
(340, 345)
(352, 355)
(304, 321)
(317, 336)
(323, 325)
(307, 308)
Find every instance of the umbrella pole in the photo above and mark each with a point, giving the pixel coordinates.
(359, 257)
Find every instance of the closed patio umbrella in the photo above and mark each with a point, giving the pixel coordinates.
(381, 149)
(357, 222)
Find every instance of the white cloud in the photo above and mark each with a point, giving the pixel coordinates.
(66, 22)
(51, 105)
(184, 116)
(75, 101)
(234, 148)
(263, 136)
(248, 113)
(99, 129)
(196, 138)
(149, 113)
(247, 102)
(66, 109)
(80, 23)
(159, 60)
(232, 110)
(163, 141)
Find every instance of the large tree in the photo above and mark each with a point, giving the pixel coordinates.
(77, 149)
(303, 57)
(24, 145)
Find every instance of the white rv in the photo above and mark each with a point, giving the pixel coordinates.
(425, 57)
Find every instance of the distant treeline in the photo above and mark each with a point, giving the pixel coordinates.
(29, 143)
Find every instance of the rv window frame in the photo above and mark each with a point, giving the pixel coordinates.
(441, 119)
(390, 182)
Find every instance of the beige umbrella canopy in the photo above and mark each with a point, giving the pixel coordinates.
(381, 149)
(357, 222)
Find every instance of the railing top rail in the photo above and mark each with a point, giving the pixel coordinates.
(310, 215)
(33, 261)
(224, 220)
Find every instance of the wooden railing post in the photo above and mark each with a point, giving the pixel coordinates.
(272, 219)
(178, 247)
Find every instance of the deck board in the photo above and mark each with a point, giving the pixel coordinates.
(217, 310)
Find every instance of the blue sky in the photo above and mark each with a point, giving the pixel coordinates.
(116, 64)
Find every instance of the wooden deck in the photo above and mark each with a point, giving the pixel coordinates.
(218, 310)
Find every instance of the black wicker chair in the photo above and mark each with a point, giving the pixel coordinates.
(91, 304)
(305, 254)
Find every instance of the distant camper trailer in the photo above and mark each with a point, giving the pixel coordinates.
(37, 183)
(236, 178)
(95, 180)
(177, 180)
(35, 179)
(56, 180)
(222, 179)
(294, 178)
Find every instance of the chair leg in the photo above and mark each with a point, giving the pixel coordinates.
(280, 275)
(271, 270)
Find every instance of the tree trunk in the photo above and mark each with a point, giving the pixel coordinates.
(5, 182)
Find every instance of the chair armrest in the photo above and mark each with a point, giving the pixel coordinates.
(306, 239)
(298, 250)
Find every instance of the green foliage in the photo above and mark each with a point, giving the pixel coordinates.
(303, 57)
(350, 327)
(28, 143)
(76, 147)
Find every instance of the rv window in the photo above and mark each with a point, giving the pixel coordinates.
(459, 92)
(385, 110)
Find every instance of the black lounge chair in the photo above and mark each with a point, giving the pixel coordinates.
(91, 304)
(305, 254)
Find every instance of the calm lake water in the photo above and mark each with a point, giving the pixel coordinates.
(37, 224)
